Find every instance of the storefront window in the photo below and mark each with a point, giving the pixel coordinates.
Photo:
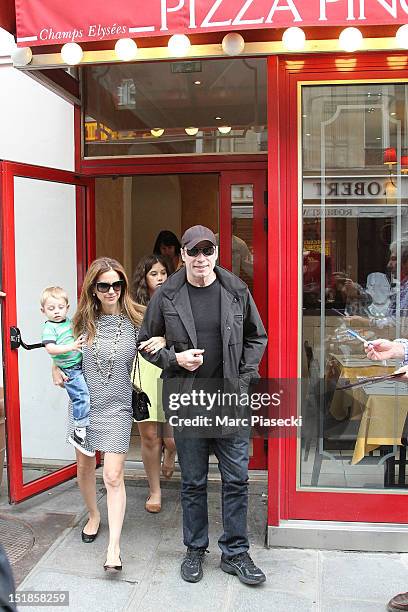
(170, 108)
(355, 277)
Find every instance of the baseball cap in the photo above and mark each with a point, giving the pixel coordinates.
(196, 234)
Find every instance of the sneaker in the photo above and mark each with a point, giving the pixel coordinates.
(192, 564)
(242, 566)
(80, 444)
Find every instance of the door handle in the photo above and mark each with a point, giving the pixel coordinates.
(16, 340)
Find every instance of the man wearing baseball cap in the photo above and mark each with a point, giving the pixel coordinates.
(214, 333)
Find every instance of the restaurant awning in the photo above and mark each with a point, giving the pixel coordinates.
(8, 16)
(50, 22)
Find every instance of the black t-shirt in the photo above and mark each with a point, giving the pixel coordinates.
(206, 308)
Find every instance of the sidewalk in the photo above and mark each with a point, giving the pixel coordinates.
(298, 580)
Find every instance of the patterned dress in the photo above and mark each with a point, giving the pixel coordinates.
(111, 402)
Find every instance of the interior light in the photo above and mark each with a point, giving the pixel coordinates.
(233, 43)
(294, 39)
(224, 129)
(71, 53)
(179, 45)
(217, 118)
(390, 156)
(191, 131)
(404, 164)
(197, 82)
(157, 132)
(401, 36)
(350, 39)
(393, 114)
(126, 49)
(21, 56)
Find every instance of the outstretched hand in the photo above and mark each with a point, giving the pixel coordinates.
(381, 349)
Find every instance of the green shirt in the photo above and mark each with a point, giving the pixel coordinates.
(61, 333)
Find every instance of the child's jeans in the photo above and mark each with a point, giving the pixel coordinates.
(79, 394)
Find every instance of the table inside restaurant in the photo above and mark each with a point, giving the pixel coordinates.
(380, 407)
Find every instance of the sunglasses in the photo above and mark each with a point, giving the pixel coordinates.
(105, 287)
(207, 251)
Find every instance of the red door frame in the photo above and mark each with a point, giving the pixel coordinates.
(19, 491)
(286, 501)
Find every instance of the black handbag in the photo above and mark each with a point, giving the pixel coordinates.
(140, 399)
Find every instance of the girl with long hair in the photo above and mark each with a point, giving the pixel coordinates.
(168, 246)
(109, 320)
(155, 434)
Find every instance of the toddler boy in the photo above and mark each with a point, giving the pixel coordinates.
(58, 339)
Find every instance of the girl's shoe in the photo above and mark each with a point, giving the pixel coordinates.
(153, 507)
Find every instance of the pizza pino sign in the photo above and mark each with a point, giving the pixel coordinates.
(46, 22)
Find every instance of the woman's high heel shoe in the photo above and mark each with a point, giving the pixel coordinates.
(115, 568)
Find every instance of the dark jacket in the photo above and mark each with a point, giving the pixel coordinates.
(243, 334)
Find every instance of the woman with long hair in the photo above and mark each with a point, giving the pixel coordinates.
(109, 320)
(155, 434)
(168, 246)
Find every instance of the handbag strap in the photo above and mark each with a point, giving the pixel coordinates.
(136, 365)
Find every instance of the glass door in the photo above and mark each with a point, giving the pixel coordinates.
(345, 239)
(46, 218)
(243, 227)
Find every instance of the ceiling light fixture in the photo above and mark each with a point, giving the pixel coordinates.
(224, 129)
(126, 49)
(233, 43)
(157, 132)
(401, 37)
(191, 131)
(21, 56)
(72, 53)
(350, 39)
(294, 39)
(179, 45)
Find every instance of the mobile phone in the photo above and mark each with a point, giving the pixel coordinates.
(357, 336)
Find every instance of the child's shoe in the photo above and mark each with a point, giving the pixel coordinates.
(78, 439)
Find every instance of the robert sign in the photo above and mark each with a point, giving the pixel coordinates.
(44, 22)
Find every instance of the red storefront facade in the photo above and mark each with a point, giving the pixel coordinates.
(321, 185)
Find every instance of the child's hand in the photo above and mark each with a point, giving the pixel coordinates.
(79, 343)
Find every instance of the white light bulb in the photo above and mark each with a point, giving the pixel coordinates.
(233, 43)
(191, 131)
(72, 53)
(179, 45)
(402, 36)
(224, 129)
(157, 132)
(350, 39)
(294, 39)
(21, 56)
(126, 49)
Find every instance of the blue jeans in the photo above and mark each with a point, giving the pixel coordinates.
(232, 454)
(79, 395)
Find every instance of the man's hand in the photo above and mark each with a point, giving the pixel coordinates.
(380, 349)
(191, 359)
(2, 294)
(154, 344)
(58, 376)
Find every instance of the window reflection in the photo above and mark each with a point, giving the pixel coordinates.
(165, 108)
(355, 276)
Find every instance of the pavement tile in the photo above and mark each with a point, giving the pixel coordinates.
(103, 595)
(363, 576)
(336, 605)
(264, 599)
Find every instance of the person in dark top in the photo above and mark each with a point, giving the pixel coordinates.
(7, 589)
(213, 332)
